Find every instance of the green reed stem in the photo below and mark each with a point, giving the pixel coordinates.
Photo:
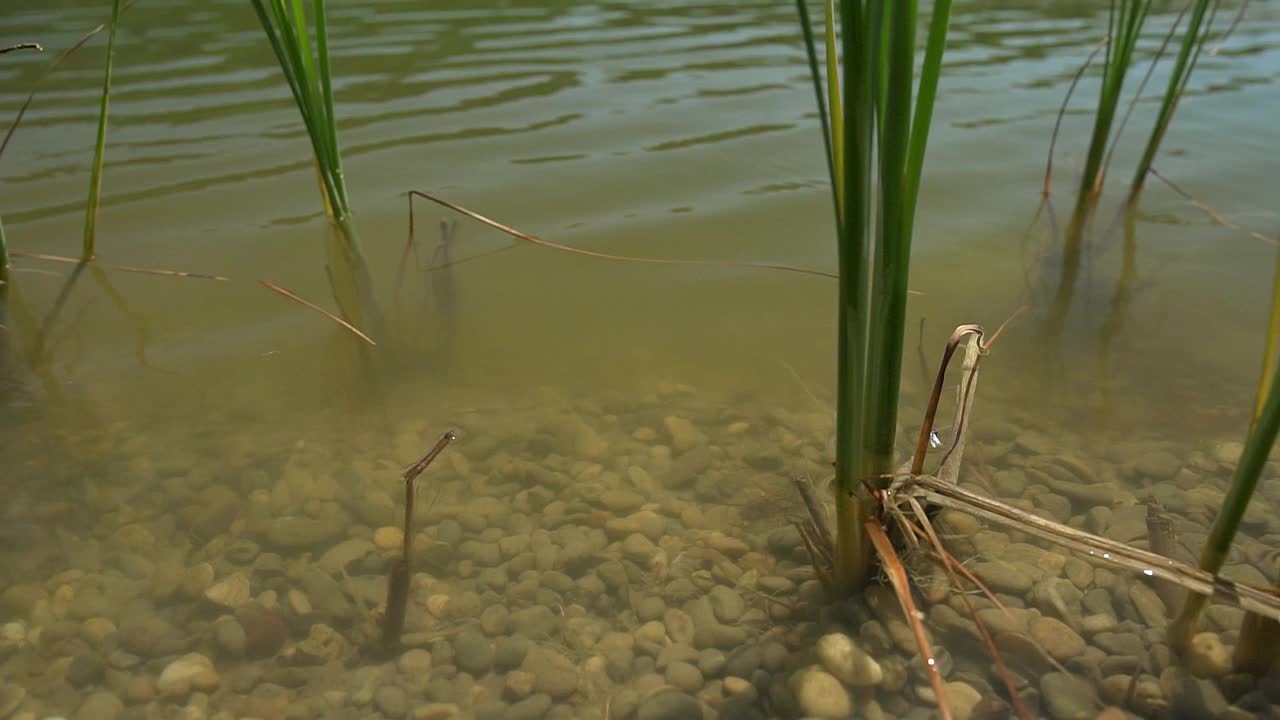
(880, 118)
(1193, 42)
(310, 80)
(99, 149)
(4, 262)
(1257, 449)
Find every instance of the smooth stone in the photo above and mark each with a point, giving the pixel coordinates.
(684, 676)
(534, 707)
(101, 705)
(638, 548)
(391, 700)
(669, 704)
(684, 435)
(679, 626)
(441, 711)
(727, 604)
(620, 501)
(645, 522)
(152, 637)
(189, 672)
(84, 670)
(229, 634)
(231, 592)
(1207, 657)
(1002, 576)
(820, 694)
(509, 652)
(963, 699)
(472, 652)
(536, 621)
(519, 684)
(265, 630)
(556, 674)
(415, 662)
(294, 532)
(842, 657)
(1068, 697)
(1149, 605)
(1057, 638)
(388, 537)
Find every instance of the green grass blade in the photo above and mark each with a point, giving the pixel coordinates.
(326, 88)
(926, 95)
(829, 134)
(99, 149)
(4, 262)
(1257, 449)
(833, 99)
(1193, 42)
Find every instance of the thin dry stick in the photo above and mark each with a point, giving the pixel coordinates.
(1235, 23)
(398, 577)
(1142, 86)
(987, 640)
(922, 443)
(22, 46)
(1204, 208)
(1057, 125)
(276, 288)
(122, 268)
(608, 256)
(902, 588)
(1247, 597)
(53, 65)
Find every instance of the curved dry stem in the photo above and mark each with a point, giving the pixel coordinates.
(902, 588)
(609, 256)
(1062, 111)
(346, 325)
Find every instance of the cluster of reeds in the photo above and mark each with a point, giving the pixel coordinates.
(875, 125)
(1126, 22)
(300, 42)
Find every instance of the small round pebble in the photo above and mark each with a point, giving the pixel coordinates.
(415, 662)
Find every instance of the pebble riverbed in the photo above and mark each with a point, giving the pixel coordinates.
(586, 559)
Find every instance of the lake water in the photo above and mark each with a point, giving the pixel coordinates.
(151, 424)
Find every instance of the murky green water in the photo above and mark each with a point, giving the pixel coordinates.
(669, 130)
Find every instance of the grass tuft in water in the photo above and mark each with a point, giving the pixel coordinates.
(875, 131)
(306, 69)
(100, 144)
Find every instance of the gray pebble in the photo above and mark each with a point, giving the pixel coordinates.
(472, 652)
(684, 676)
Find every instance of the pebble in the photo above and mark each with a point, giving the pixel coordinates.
(684, 676)
(820, 694)
(534, 707)
(388, 537)
(189, 672)
(963, 699)
(842, 657)
(556, 674)
(230, 592)
(439, 711)
(229, 634)
(1003, 576)
(669, 704)
(415, 662)
(472, 652)
(101, 705)
(1207, 657)
(391, 700)
(1068, 697)
(1057, 638)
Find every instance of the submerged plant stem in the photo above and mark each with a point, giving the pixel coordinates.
(95, 176)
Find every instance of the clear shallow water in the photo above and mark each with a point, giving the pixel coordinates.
(674, 130)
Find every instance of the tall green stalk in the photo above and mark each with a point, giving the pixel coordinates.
(4, 262)
(1124, 25)
(1257, 448)
(877, 115)
(1193, 41)
(99, 149)
(1259, 643)
(288, 28)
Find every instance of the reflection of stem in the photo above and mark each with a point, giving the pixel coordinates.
(18, 318)
(1072, 249)
(1114, 323)
(141, 334)
(349, 278)
(46, 327)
